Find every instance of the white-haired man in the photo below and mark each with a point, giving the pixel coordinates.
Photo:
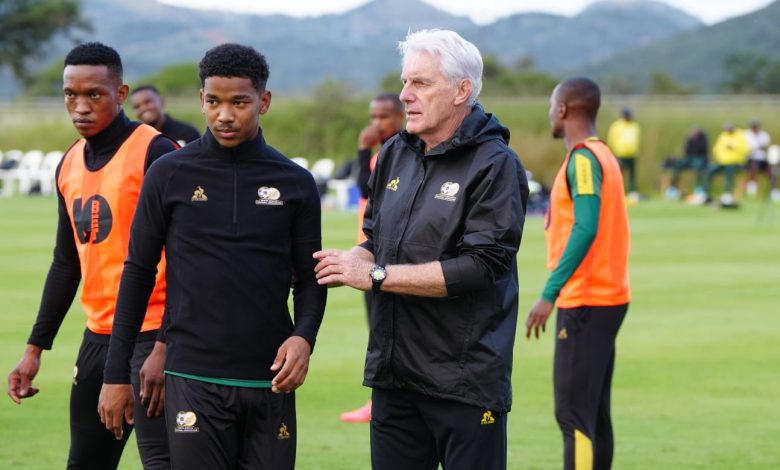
(444, 220)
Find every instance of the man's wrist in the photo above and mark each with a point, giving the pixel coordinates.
(33, 350)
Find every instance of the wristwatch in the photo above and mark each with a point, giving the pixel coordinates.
(378, 275)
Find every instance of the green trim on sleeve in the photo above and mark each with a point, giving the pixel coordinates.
(222, 381)
(584, 176)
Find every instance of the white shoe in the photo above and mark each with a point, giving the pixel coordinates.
(697, 198)
(751, 188)
(672, 193)
(727, 200)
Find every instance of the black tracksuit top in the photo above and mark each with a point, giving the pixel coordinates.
(239, 226)
(463, 204)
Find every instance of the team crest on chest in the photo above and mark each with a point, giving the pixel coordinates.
(448, 191)
(268, 196)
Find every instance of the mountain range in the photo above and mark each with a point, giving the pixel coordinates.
(696, 56)
(607, 38)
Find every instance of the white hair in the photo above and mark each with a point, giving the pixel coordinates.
(459, 58)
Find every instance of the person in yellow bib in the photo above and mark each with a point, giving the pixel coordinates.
(587, 250)
(623, 139)
(730, 155)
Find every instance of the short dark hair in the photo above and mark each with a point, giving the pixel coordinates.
(393, 98)
(581, 94)
(235, 60)
(151, 88)
(95, 53)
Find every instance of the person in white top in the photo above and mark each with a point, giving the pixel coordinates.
(759, 141)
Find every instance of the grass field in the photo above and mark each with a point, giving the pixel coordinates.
(697, 380)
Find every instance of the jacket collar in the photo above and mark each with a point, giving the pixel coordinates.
(110, 135)
(242, 151)
(477, 127)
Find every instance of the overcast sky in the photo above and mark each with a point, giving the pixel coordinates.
(709, 11)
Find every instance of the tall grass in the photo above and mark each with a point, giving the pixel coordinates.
(329, 127)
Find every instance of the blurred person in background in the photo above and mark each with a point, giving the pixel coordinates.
(729, 155)
(758, 139)
(623, 138)
(387, 119)
(695, 158)
(149, 108)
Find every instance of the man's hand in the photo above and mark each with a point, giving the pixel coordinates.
(21, 377)
(537, 317)
(369, 137)
(153, 380)
(343, 268)
(292, 362)
(115, 404)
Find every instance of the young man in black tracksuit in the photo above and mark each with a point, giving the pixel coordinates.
(444, 221)
(239, 223)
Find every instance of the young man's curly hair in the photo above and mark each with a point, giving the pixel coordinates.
(95, 53)
(235, 60)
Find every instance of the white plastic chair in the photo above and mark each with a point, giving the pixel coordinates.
(47, 172)
(322, 169)
(304, 162)
(8, 176)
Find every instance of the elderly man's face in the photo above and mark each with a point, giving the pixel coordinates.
(429, 97)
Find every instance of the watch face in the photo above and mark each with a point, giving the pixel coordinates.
(378, 273)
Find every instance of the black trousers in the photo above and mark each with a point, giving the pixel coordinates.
(411, 431)
(628, 165)
(582, 378)
(219, 427)
(92, 446)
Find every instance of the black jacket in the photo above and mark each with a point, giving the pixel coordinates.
(462, 204)
(239, 227)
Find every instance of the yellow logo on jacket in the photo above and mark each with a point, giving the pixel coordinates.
(487, 417)
(393, 184)
(199, 195)
(283, 432)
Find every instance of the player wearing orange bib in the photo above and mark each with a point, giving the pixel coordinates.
(98, 182)
(587, 250)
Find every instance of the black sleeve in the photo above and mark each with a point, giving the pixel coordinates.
(147, 237)
(62, 281)
(364, 166)
(493, 228)
(166, 322)
(160, 145)
(308, 296)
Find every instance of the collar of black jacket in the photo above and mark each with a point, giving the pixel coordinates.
(112, 135)
(476, 128)
(241, 151)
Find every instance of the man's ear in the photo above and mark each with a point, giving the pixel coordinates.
(122, 93)
(465, 87)
(265, 101)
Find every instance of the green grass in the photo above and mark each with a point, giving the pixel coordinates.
(697, 378)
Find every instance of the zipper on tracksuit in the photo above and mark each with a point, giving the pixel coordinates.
(397, 246)
(235, 198)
